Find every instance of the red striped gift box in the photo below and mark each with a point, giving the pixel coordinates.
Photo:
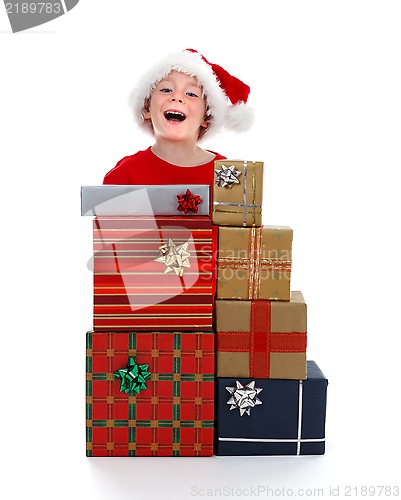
(138, 287)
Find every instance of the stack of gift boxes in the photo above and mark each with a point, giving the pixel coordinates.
(198, 344)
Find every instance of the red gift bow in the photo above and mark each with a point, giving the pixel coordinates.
(188, 202)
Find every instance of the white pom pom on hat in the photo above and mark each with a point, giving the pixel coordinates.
(226, 96)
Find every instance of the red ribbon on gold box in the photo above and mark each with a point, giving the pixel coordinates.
(262, 339)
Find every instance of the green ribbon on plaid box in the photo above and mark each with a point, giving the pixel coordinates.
(173, 416)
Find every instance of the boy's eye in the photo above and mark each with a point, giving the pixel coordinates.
(191, 94)
(165, 90)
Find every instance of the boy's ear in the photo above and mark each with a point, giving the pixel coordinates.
(146, 115)
(204, 124)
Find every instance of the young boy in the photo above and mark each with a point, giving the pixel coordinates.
(182, 99)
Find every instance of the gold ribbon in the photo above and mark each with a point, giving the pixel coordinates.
(254, 264)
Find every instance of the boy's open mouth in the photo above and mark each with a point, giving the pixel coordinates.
(174, 116)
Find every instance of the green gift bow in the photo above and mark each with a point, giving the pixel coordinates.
(133, 377)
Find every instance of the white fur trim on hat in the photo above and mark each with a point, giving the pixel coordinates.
(239, 117)
(191, 63)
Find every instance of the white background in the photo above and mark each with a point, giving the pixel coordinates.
(325, 79)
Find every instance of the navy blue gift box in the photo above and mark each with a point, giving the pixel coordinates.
(279, 417)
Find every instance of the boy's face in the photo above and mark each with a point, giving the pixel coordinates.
(177, 108)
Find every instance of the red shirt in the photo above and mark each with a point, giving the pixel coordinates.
(144, 167)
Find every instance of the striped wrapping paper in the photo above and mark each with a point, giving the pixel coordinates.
(132, 290)
(173, 416)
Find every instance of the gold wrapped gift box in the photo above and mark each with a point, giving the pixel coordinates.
(237, 193)
(254, 263)
(262, 339)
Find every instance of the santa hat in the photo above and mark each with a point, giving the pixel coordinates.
(226, 96)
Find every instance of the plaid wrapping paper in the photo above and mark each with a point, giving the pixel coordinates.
(240, 204)
(131, 289)
(261, 338)
(254, 263)
(173, 416)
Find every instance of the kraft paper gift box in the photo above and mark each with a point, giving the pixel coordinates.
(271, 416)
(254, 263)
(137, 200)
(154, 273)
(262, 338)
(150, 394)
(237, 193)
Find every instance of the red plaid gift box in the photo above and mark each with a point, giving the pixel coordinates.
(154, 273)
(172, 416)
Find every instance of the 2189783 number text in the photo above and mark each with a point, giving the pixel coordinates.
(370, 491)
(33, 8)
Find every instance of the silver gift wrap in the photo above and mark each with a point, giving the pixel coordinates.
(125, 200)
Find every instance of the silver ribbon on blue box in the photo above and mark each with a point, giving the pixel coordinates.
(291, 420)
